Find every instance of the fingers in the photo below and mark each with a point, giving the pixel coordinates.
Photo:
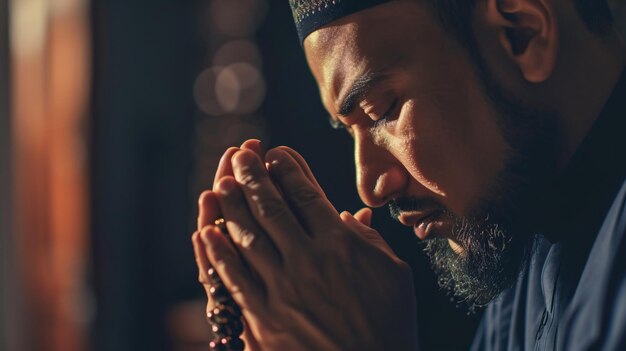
(305, 167)
(364, 216)
(208, 213)
(208, 206)
(253, 145)
(315, 212)
(225, 167)
(201, 261)
(246, 292)
(208, 209)
(250, 239)
(367, 233)
(266, 204)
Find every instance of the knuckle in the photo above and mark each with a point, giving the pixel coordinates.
(251, 177)
(272, 208)
(244, 237)
(305, 196)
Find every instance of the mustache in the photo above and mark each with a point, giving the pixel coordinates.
(412, 204)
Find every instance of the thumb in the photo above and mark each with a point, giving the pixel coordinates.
(364, 230)
(364, 216)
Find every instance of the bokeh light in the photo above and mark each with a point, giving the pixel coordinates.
(204, 92)
(237, 18)
(240, 88)
(237, 51)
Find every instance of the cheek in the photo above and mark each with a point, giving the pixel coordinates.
(451, 145)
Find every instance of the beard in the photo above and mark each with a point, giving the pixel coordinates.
(496, 236)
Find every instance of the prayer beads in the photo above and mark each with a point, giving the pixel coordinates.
(225, 317)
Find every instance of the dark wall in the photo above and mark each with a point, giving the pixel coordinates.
(147, 54)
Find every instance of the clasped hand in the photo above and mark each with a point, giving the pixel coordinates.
(305, 276)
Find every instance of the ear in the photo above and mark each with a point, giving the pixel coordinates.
(529, 34)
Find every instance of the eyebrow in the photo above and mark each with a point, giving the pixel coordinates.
(358, 90)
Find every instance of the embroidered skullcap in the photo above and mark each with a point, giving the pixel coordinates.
(310, 15)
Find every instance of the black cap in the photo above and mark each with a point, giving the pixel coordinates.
(310, 15)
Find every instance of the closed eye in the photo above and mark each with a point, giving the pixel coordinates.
(388, 114)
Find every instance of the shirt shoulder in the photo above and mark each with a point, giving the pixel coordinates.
(596, 316)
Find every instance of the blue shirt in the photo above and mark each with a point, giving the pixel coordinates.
(571, 294)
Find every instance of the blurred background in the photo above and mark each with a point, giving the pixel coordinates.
(113, 116)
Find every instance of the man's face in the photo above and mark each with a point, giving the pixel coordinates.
(429, 139)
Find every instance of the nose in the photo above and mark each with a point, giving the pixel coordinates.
(379, 175)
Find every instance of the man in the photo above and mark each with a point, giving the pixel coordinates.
(493, 128)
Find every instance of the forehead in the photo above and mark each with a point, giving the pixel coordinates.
(374, 39)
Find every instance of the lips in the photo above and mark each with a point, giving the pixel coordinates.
(420, 221)
(411, 219)
(423, 229)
